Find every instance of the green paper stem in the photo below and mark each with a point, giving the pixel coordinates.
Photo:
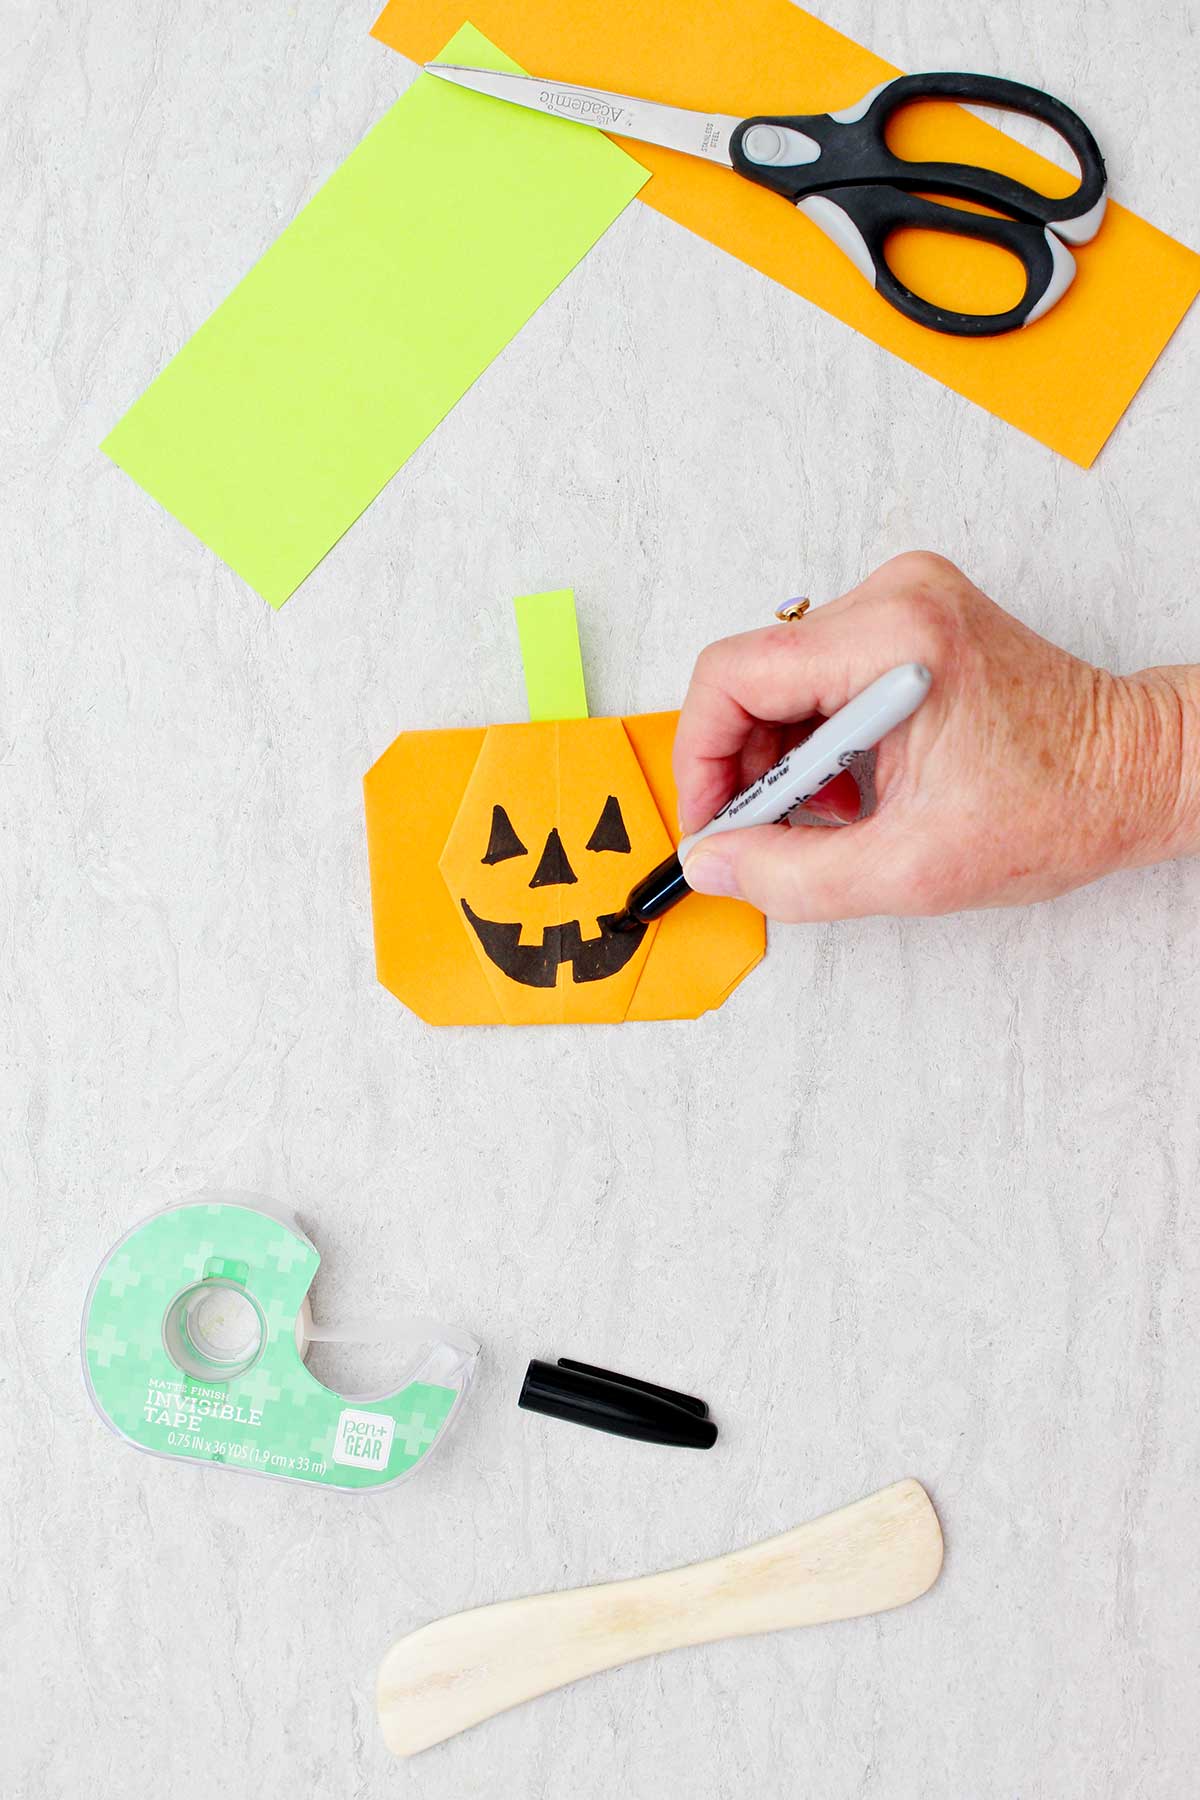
(549, 634)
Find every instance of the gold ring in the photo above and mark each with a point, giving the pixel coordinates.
(789, 610)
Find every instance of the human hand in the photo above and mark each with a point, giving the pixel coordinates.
(1025, 773)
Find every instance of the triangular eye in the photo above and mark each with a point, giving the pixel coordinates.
(610, 832)
(504, 841)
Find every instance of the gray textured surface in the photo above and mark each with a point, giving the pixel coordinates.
(920, 1199)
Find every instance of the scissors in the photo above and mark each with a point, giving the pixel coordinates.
(837, 168)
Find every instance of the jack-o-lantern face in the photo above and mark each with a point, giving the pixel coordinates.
(538, 965)
(556, 824)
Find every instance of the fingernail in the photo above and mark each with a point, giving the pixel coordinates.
(708, 872)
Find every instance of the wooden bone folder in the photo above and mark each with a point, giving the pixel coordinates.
(868, 1557)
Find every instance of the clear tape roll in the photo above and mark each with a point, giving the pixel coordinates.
(194, 1345)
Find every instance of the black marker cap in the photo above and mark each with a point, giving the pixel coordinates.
(583, 1395)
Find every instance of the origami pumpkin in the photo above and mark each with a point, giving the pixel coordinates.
(498, 855)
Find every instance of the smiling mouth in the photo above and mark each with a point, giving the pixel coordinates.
(537, 965)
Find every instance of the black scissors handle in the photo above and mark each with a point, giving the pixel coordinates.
(838, 168)
(860, 221)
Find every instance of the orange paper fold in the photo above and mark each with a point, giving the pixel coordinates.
(1065, 380)
(439, 859)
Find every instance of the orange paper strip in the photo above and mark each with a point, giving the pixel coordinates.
(1066, 380)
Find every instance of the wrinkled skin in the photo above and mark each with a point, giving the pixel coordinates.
(1025, 773)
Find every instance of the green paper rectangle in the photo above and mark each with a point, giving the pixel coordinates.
(549, 634)
(363, 324)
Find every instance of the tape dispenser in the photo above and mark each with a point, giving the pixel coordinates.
(195, 1333)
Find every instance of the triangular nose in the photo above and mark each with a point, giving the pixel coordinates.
(553, 870)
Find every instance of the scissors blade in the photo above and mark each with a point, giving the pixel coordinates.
(698, 134)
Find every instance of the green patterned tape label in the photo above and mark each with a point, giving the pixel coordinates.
(150, 1365)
